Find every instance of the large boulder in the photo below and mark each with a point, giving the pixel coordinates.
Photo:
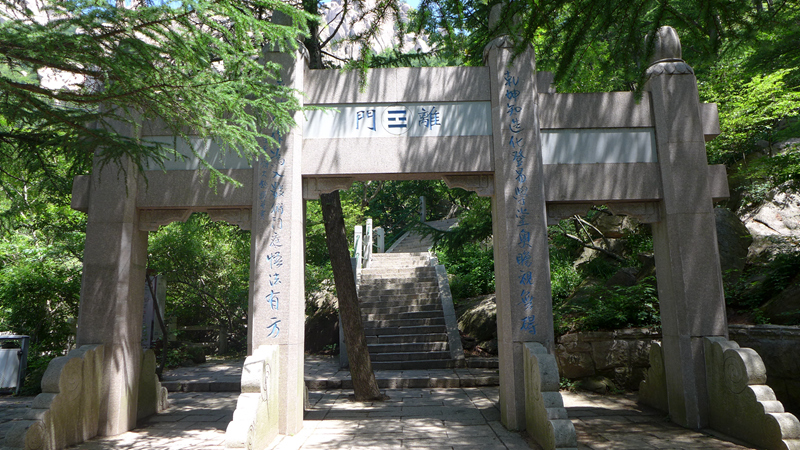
(480, 320)
(733, 240)
(778, 217)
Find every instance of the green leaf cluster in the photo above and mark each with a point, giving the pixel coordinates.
(207, 267)
(195, 66)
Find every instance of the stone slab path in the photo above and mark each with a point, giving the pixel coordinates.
(429, 417)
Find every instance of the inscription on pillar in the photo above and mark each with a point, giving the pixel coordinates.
(513, 124)
(271, 196)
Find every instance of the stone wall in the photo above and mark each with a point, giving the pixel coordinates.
(621, 355)
(779, 347)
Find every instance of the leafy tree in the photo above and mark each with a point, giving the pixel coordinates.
(192, 64)
(39, 290)
(206, 265)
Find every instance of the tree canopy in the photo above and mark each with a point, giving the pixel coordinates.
(75, 72)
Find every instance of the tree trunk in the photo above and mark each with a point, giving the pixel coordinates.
(364, 384)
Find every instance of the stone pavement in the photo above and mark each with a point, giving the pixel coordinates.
(455, 418)
(10, 409)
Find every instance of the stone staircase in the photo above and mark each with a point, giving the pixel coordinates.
(407, 310)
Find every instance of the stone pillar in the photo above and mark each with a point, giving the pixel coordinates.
(687, 258)
(277, 305)
(112, 290)
(522, 268)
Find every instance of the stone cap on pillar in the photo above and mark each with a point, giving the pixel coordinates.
(667, 57)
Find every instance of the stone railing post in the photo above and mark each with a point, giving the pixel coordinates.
(358, 250)
(381, 238)
(368, 244)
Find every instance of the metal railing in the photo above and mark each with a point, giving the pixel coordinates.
(364, 239)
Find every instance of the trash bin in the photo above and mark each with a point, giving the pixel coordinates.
(13, 362)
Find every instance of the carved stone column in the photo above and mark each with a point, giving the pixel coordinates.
(112, 290)
(685, 242)
(277, 304)
(522, 267)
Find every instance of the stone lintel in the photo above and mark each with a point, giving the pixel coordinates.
(645, 212)
(414, 155)
(648, 212)
(617, 182)
(313, 187)
(602, 182)
(594, 110)
(483, 185)
(557, 212)
(408, 85)
(191, 189)
(151, 219)
(241, 217)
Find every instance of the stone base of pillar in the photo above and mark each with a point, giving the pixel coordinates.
(653, 389)
(546, 419)
(67, 411)
(153, 398)
(741, 404)
(255, 421)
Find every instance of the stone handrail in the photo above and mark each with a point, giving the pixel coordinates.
(67, 411)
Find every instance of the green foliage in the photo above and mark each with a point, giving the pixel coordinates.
(471, 270)
(40, 275)
(761, 281)
(36, 366)
(749, 111)
(207, 267)
(192, 64)
(613, 308)
(564, 278)
(318, 268)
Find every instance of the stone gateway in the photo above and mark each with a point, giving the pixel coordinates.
(499, 130)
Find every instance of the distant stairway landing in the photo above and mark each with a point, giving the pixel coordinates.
(408, 313)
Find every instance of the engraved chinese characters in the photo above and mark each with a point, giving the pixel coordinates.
(271, 193)
(513, 125)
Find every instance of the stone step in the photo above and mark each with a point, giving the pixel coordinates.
(404, 261)
(406, 338)
(390, 283)
(420, 329)
(399, 284)
(407, 315)
(400, 300)
(425, 286)
(396, 254)
(417, 365)
(393, 278)
(372, 292)
(409, 347)
(407, 264)
(392, 323)
(409, 356)
(394, 310)
(397, 272)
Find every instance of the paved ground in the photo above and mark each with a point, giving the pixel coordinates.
(456, 418)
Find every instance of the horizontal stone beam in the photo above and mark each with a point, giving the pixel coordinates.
(564, 183)
(388, 156)
(595, 110)
(405, 85)
(190, 189)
